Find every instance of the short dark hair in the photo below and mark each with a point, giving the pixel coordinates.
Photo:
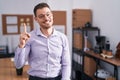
(40, 6)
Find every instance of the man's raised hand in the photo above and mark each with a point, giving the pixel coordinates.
(24, 36)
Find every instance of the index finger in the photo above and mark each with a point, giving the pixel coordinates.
(25, 29)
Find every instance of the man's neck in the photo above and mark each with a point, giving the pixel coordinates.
(47, 32)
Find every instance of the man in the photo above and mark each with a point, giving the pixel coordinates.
(46, 49)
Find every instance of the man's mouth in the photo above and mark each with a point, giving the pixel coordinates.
(47, 22)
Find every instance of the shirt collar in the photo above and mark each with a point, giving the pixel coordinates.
(38, 32)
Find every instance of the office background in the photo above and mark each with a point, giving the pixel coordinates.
(105, 15)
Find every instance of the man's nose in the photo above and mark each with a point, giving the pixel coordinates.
(46, 17)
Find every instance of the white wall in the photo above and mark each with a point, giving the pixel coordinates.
(83, 4)
(106, 15)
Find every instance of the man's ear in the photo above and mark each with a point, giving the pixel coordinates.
(35, 18)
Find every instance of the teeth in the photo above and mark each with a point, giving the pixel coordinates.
(47, 22)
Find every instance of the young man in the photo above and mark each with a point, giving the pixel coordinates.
(46, 49)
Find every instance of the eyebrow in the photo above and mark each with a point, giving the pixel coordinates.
(46, 13)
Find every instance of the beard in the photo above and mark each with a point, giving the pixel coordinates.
(46, 24)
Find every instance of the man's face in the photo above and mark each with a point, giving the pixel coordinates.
(44, 17)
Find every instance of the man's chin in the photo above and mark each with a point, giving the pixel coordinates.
(46, 26)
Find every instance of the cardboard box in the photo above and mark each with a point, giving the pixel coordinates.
(80, 17)
(82, 11)
(111, 78)
(77, 41)
(89, 67)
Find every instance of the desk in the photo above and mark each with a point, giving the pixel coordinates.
(113, 61)
(8, 70)
(7, 55)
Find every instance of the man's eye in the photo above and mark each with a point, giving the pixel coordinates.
(48, 14)
(41, 16)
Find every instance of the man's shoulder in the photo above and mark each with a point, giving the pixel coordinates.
(61, 34)
(32, 32)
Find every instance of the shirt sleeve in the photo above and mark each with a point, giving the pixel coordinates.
(66, 61)
(21, 56)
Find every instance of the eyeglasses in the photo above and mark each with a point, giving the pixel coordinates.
(42, 16)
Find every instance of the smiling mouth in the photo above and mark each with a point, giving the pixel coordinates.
(47, 22)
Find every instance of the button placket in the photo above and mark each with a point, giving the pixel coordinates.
(48, 56)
